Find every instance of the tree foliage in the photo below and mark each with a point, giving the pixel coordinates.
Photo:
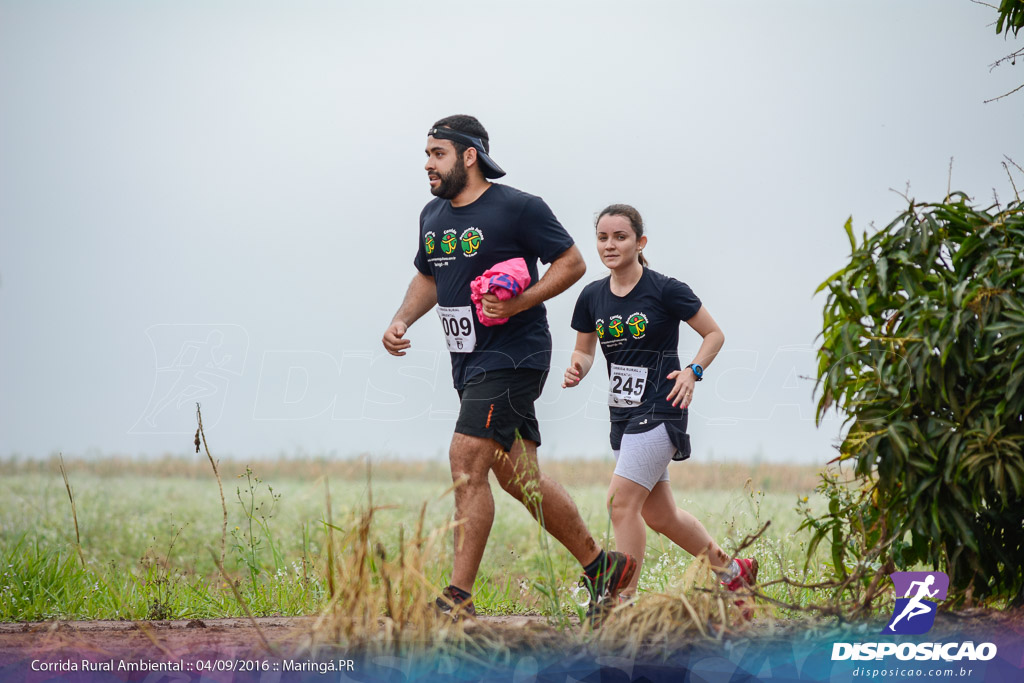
(1010, 20)
(1011, 17)
(924, 352)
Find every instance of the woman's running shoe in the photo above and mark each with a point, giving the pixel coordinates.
(747, 578)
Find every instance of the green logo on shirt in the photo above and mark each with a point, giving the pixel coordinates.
(448, 241)
(637, 324)
(428, 242)
(471, 240)
(599, 328)
(615, 326)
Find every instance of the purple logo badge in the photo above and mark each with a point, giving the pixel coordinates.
(914, 612)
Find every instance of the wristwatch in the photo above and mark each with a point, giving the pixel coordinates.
(698, 371)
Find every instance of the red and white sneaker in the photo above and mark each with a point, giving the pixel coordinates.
(747, 578)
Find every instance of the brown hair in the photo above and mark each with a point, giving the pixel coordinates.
(630, 214)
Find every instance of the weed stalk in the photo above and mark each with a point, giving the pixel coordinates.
(220, 485)
(245, 608)
(74, 510)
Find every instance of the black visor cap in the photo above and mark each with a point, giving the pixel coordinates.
(490, 169)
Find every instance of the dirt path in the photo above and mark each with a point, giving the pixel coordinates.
(234, 632)
(276, 648)
(207, 640)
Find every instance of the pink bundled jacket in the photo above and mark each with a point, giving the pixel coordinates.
(504, 280)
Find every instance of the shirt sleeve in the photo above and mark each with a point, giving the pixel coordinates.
(542, 234)
(582, 320)
(680, 300)
(420, 260)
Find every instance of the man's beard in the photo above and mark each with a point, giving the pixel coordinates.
(453, 183)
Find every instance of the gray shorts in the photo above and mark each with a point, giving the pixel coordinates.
(643, 458)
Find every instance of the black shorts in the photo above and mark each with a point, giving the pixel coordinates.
(497, 403)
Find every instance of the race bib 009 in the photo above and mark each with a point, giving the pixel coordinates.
(626, 385)
(459, 332)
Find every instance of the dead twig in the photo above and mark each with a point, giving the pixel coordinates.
(1015, 164)
(949, 179)
(220, 485)
(905, 194)
(1005, 94)
(330, 542)
(245, 608)
(751, 539)
(1012, 184)
(1012, 58)
(74, 510)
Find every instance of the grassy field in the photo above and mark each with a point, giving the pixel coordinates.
(148, 536)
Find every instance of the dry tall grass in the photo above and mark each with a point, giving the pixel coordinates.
(383, 604)
(697, 609)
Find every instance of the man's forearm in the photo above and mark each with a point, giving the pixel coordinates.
(560, 276)
(419, 298)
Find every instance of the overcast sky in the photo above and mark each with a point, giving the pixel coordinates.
(218, 201)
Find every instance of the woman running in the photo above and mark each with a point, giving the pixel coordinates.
(634, 313)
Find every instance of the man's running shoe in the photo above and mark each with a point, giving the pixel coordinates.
(747, 578)
(454, 604)
(605, 587)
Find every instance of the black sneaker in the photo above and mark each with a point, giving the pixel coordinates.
(605, 587)
(454, 605)
(598, 610)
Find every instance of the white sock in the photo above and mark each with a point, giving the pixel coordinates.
(731, 573)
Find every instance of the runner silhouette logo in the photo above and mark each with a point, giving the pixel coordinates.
(914, 612)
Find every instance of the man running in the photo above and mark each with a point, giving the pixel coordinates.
(499, 371)
(915, 606)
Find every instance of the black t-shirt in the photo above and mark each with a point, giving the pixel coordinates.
(457, 244)
(637, 331)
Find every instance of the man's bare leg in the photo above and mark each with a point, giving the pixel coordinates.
(519, 475)
(472, 457)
